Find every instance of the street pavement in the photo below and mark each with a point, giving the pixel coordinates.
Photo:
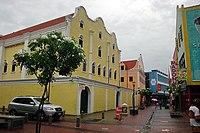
(162, 122)
(149, 120)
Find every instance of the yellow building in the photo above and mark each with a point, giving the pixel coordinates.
(93, 87)
(133, 77)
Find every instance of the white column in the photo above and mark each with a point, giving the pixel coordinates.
(26, 41)
(108, 60)
(106, 99)
(67, 32)
(120, 103)
(92, 99)
(64, 32)
(78, 99)
(90, 55)
(127, 97)
(2, 49)
(138, 79)
(119, 73)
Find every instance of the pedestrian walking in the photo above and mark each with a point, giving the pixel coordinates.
(160, 103)
(194, 113)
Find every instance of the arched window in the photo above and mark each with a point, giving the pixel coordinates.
(5, 66)
(84, 65)
(113, 46)
(93, 67)
(110, 73)
(104, 71)
(99, 69)
(81, 41)
(81, 24)
(122, 67)
(100, 35)
(115, 74)
(13, 65)
(99, 51)
(113, 58)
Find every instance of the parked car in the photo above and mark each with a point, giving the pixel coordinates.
(29, 104)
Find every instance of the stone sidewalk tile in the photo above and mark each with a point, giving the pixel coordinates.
(162, 122)
(145, 122)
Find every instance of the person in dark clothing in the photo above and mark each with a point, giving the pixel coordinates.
(160, 103)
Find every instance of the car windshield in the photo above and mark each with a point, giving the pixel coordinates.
(39, 100)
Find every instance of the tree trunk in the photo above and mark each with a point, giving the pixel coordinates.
(40, 110)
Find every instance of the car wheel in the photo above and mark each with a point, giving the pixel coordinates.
(13, 112)
(56, 118)
(43, 116)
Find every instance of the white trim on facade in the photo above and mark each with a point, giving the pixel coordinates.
(138, 80)
(108, 61)
(2, 49)
(121, 95)
(26, 41)
(68, 23)
(78, 105)
(35, 34)
(92, 100)
(162, 83)
(90, 54)
(127, 98)
(106, 99)
(158, 73)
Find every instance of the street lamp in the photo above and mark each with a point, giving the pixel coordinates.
(133, 96)
(134, 109)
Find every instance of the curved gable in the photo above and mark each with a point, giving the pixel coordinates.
(129, 64)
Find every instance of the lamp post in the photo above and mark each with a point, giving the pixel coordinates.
(135, 110)
(133, 96)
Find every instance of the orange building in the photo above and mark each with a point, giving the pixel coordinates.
(133, 77)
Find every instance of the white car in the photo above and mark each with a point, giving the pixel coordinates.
(29, 104)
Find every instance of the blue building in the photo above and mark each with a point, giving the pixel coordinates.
(158, 82)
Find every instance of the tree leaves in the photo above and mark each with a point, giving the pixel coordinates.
(145, 92)
(49, 54)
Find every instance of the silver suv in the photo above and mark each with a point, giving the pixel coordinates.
(30, 104)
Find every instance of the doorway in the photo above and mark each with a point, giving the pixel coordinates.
(85, 100)
(117, 98)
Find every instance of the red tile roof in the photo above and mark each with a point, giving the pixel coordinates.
(129, 64)
(35, 28)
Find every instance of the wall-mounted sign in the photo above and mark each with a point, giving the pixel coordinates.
(182, 74)
(153, 81)
(173, 71)
(193, 28)
(159, 87)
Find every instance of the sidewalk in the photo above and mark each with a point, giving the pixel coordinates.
(144, 122)
(162, 122)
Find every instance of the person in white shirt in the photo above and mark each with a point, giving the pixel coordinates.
(194, 112)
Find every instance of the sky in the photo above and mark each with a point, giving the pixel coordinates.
(145, 27)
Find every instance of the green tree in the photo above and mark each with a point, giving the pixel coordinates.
(176, 94)
(50, 54)
(144, 92)
(148, 95)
